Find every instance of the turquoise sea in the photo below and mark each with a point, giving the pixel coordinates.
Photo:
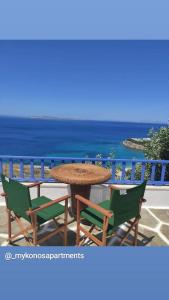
(71, 138)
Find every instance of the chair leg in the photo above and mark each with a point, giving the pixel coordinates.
(65, 236)
(104, 234)
(9, 226)
(34, 236)
(34, 226)
(78, 234)
(81, 243)
(78, 224)
(65, 223)
(127, 233)
(24, 231)
(104, 238)
(135, 235)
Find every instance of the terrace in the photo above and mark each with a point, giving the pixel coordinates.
(154, 224)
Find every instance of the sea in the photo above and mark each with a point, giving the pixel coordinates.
(70, 138)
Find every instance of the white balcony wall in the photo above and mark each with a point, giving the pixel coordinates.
(157, 197)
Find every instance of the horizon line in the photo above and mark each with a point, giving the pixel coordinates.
(52, 118)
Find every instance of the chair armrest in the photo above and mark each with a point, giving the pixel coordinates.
(37, 184)
(3, 194)
(143, 200)
(52, 202)
(102, 210)
(34, 184)
(114, 187)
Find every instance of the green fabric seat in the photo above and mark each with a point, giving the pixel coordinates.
(49, 212)
(20, 206)
(96, 218)
(19, 201)
(124, 208)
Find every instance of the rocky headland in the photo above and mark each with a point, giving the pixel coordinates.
(136, 143)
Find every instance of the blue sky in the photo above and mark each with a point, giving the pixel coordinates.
(103, 80)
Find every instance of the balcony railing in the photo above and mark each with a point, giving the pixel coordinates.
(124, 171)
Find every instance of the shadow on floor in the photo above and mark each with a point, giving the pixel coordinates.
(142, 240)
(57, 240)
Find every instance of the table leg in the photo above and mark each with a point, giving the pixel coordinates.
(82, 190)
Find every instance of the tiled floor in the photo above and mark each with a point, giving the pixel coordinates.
(153, 230)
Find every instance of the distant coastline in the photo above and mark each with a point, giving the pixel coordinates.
(57, 118)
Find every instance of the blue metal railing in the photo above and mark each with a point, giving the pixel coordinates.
(124, 171)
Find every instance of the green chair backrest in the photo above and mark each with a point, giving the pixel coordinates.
(127, 206)
(18, 196)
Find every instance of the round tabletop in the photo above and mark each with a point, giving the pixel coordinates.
(80, 174)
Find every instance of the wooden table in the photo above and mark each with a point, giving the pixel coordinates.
(80, 177)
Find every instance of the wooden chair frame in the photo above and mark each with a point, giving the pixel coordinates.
(33, 227)
(133, 225)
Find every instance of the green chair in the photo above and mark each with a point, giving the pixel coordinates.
(36, 211)
(110, 214)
